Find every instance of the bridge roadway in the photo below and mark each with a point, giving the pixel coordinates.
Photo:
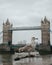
(25, 28)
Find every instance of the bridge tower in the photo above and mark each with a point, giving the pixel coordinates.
(45, 25)
(7, 35)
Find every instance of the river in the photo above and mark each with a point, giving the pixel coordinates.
(8, 59)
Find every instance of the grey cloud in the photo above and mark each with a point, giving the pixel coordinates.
(25, 12)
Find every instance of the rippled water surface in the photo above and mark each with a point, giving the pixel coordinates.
(8, 59)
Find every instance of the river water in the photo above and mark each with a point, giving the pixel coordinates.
(8, 59)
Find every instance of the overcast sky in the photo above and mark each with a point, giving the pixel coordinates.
(25, 13)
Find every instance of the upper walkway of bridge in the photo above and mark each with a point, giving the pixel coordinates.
(25, 28)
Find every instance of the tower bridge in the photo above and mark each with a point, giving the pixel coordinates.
(45, 27)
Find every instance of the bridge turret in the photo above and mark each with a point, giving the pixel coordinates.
(7, 35)
(45, 25)
(7, 22)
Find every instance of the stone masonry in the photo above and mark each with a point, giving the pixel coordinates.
(45, 33)
(7, 35)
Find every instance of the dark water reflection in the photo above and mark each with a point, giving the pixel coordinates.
(8, 59)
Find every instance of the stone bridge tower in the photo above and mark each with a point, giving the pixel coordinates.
(45, 33)
(7, 35)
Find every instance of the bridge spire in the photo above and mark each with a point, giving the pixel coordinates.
(7, 22)
(45, 19)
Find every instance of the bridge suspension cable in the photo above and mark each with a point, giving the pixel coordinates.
(1, 32)
(1, 35)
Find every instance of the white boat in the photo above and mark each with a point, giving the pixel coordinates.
(23, 54)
